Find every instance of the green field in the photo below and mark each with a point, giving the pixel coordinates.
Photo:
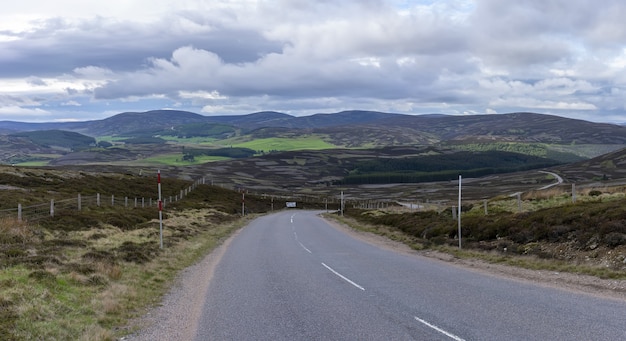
(36, 160)
(109, 138)
(177, 160)
(310, 142)
(190, 140)
(32, 164)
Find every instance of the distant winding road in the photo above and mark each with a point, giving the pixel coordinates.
(292, 276)
(559, 180)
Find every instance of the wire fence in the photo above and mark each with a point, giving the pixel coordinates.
(80, 202)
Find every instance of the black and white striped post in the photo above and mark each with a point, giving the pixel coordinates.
(160, 209)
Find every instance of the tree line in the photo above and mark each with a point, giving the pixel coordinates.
(442, 167)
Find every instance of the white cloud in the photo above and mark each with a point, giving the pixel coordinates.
(93, 72)
(15, 112)
(204, 95)
(532, 103)
(241, 56)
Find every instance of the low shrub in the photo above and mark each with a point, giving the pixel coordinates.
(571, 222)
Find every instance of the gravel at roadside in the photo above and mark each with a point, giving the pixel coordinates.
(178, 315)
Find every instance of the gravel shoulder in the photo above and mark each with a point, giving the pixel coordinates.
(178, 315)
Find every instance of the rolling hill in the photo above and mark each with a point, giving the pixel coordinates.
(518, 127)
(558, 138)
(610, 166)
(514, 127)
(56, 138)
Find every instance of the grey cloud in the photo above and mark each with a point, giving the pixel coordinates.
(575, 22)
(291, 54)
(10, 100)
(284, 75)
(35, 81)
(57, 46)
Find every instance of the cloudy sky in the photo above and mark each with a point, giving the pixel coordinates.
(82, 60)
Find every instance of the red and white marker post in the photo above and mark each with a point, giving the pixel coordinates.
(160, 209)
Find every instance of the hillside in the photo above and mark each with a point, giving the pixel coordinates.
(41, 144)
(253, 121)
(57, 138)
(514, 127)
(322, 172)
(135, 121)
(161, 135)
(103, 259)
(442, 167)
(610, 166)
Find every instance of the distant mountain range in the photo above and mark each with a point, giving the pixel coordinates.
(514, 127)
(355, 147)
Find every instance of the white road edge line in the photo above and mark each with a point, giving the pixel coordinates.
(452, 336)
(343, 277)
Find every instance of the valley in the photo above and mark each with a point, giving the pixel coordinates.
(398, 176)
(275, 152)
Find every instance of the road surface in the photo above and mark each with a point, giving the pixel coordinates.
(559, 180)
(292, 276)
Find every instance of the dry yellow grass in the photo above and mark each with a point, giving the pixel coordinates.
(13, 231)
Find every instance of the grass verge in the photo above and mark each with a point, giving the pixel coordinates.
(86, 284)
(531, 261)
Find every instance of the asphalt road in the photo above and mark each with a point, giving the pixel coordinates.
(291, 276)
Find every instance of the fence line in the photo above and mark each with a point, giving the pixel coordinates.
(79, 202)
(49, 209)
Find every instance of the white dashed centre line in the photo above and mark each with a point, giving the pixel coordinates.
(304, 247)
(450, 335)
(342, 277)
